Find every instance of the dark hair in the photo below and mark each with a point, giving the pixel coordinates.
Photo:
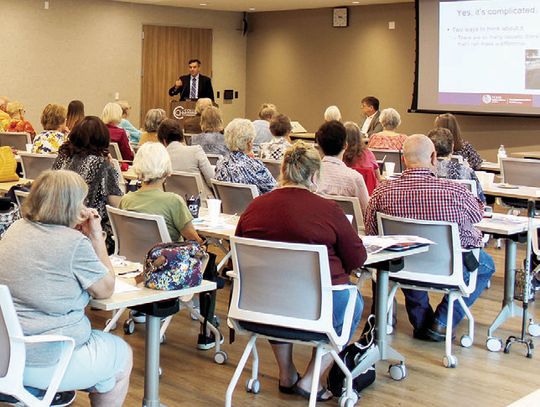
(75, 113)
(449, 121)
(371, 101)
(194, 60)
(89, 137)
(442, 140)
(280, 125)
(355, 144)
(331, 137)
(170, 130)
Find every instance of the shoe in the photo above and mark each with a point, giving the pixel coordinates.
(63, 398)
(206, 342)
(138, 317)
(193, 314)
(437, 332)
(289, 389)
(420, 333)
(306, 394)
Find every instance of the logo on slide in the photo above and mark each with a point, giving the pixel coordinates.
(486, 99)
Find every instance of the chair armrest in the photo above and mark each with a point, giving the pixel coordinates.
(231, 274)
(45, 339)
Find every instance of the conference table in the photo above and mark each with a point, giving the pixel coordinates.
(155, 304)
(524, 154)
(6, 186)
(490, 167)
(512, 191)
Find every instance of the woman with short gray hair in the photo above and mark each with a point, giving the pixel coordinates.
(239, 166)
(152, 120)
(388, 139)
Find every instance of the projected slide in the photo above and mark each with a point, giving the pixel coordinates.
(489, 53)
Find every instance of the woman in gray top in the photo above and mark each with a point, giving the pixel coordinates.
(54, 259)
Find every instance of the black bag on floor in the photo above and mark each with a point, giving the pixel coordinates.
(352, 355)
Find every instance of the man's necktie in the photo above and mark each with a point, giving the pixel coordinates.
(193, 91)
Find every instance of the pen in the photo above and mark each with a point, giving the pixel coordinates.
(128, 272)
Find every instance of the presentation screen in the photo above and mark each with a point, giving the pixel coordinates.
(478, 56)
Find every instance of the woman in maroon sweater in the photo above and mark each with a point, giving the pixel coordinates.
(293, 214)
(111, 116)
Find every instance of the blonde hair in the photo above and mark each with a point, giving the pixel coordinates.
(202, 104)
(14, 108)
(332, 113)
(211, 120)
(53, 116)
(267, 111)
(152, 162)
(125, 107)
(300, 163)
(112, 113)
(238, 134)
(57, 198)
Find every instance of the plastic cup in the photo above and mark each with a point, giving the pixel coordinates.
(389, 169)
(29, 148)
(193, 204)
(214, 209)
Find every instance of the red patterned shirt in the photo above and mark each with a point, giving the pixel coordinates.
(419, 194)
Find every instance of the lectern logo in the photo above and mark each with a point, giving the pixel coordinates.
(180, 112)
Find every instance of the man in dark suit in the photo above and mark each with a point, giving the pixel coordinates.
(370, 107)
(193, 86)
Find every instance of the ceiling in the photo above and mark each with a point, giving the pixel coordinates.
(260, 5)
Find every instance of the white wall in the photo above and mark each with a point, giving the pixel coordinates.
(89, 50)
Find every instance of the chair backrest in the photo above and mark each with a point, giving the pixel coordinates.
(20, 196)
(281, 284)
(34, 164)
(136, 233)
(114, 149)
(11, 351)
(274, 166)
(389, 156)
(213, 158)
(521, 171)
(351, 206)
(185, 183)
(235, 198)
(442, 264)
(16, 140)
(469, 184)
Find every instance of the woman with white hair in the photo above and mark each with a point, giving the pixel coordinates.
(152, 120)
(332, 113)
(388, 139)
(239, 166)
(112, 116)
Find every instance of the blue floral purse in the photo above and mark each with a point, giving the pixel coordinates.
(174, 266)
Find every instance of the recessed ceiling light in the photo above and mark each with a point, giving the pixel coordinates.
(355, 2)
(252, 9)
(202, 4)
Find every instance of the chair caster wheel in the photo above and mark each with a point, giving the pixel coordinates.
(466, 341)
(163, 339)
(398, 372)
(450, 361)
(129, 327)
(494, 344)
(220, 357)
(113, 327)
(533, 329)
(345, 401)
(253, 386)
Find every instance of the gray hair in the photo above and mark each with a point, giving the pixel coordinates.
(390, 119)
(153, 119)
(57, 198)
(300, 163)
(152, 162)
(238, 134)
(332, 113)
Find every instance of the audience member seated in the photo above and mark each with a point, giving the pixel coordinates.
(185, 158)
(360, 158)
(332, 113)
(54, 259)
(211, 139)
(419, 194)
(111, 116)
(302, 209)
(262, 125)
(75, 113)
(17, 122)
(370, 109)
(152, 120)
(54, 134)
(335, 177)
(133, 133)
(461, 147)
(280, 127)
(87, 153)
(239, 166)
(192, 124)
(4, 115)
(388, 139)
(446, 166)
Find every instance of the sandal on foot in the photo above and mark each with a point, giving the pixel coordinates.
(289, 389)
(301, 392)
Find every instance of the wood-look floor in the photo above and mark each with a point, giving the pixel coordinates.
(191, 378)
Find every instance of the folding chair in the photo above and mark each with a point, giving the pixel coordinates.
(34, 164)
(351, 206)
(235, 198)
(186, 183)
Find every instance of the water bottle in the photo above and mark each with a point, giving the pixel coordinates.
(501, 154)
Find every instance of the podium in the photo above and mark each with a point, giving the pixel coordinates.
(180, 109)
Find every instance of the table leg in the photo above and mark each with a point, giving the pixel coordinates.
(151, 370)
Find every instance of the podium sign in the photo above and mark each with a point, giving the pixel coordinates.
(181, 109)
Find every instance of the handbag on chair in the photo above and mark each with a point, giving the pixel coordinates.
(8, 165)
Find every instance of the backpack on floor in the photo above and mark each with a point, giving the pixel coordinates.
(352, 356)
